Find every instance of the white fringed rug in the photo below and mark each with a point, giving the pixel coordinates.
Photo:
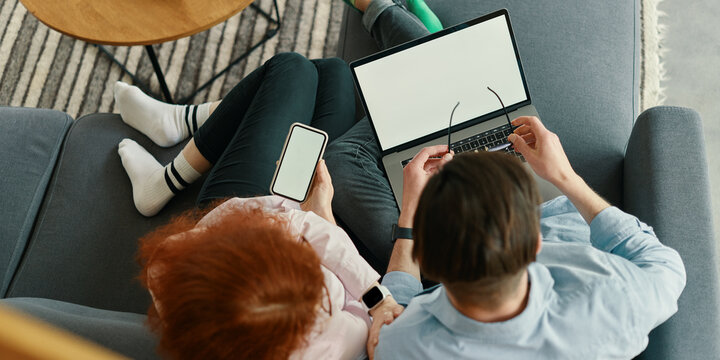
(652, 70)
(39, 67)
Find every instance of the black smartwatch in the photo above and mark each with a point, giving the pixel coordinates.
(375, 296)
(401, 233)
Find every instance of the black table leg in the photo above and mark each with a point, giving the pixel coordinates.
(268, 35)
(158, 73)
(134, 78)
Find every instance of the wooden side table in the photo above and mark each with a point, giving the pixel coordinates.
(144, 22)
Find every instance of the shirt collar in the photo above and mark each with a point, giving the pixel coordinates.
(541, 284)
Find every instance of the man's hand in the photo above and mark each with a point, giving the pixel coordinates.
(384, 314)
(542, 150)
(319, 199)
(416, 174)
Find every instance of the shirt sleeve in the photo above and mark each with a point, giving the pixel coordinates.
(402, 286)
(337, 252)
(656, 272)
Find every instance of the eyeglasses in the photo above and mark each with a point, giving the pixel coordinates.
(506, 116)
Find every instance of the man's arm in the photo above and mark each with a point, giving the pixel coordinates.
(543, 151)
(661, 276)
(401, 257)
(403, 273)
(402, 268)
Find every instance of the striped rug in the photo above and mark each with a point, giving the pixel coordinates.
(40, 67)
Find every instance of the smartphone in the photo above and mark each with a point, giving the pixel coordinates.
(304, 147)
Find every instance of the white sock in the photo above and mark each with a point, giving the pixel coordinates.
(153, 184)
(165, 124)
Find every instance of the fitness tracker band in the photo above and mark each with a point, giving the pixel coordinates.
(401, 233)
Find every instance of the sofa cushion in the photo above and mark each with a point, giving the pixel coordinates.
(30, 140)
(84, 243)
(581, 60)
(125, 333)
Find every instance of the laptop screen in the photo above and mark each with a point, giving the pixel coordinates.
(409, 93)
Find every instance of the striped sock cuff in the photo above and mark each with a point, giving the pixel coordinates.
(170, 183)
(203, 113)
(194, 116)
(184, 170)
(179, 174)
(190, 118)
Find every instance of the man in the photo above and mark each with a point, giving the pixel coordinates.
(580, 279)
(601, 280)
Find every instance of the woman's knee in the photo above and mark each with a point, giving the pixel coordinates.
(335, 81)
(334, 68)
(333, 64)
(293, 64)
(288, 58)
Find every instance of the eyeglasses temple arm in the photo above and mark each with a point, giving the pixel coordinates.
(503, 106)
(450, 124)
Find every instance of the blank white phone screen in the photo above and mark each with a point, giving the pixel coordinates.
(298, 163)
(411, 93)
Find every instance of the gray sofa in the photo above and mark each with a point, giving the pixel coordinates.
(69, 230)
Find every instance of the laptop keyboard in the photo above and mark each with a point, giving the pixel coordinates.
(483, 142)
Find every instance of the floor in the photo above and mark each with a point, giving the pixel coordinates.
(692, 62)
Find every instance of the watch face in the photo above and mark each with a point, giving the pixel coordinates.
(372, 297)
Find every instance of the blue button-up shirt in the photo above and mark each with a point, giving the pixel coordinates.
(595, 293)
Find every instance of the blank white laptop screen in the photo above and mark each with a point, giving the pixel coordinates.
(411, 93)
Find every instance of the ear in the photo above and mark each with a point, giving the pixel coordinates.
(539, 243)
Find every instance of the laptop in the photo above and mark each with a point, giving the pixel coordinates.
(410, 91)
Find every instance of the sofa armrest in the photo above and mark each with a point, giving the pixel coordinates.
(30, 142)
(666, 185)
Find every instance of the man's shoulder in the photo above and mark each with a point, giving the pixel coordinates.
(580, 267)
(592, 292)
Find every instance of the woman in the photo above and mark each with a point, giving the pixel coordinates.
(254, 279)
(262, 277)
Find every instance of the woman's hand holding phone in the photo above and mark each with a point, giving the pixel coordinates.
(319, 199)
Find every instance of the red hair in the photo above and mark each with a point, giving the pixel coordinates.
(243, 288)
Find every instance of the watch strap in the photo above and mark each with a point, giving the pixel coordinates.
(401, 233)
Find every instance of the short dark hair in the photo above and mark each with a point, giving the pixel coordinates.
(477, 224)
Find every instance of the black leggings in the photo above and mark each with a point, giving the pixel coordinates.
(244, 136)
